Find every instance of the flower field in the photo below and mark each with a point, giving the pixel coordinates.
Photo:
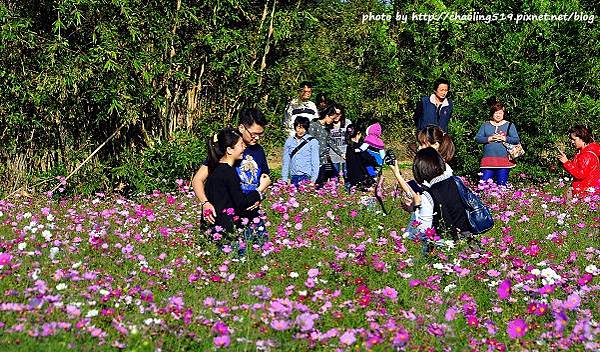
(105, 273)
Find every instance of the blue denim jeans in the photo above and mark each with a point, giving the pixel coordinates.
(500, 176)
(254, 234)
(296, 179)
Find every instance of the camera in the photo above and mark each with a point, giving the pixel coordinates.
(389, 158)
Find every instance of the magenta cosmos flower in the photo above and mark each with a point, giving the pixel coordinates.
(516, 328)
(5, 258)
(504, 289)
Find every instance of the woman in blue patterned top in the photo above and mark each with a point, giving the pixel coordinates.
(495, 163)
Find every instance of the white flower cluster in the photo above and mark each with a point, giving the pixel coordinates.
(549, 276)
(592, 269)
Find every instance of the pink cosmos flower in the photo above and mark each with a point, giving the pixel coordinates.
(280, 324)
(573, 301)
(516, 328)
(538, 309)
(451, 313)
(222, 341)
(472, 321)
(313, 272)
(546, 289)
(585, 279)
(560, 322)
(348, 338)
(170, 200)
(390, 293)
(220, 328)
(305, 321)
(401, 338)
(5, 258)
(504, 289)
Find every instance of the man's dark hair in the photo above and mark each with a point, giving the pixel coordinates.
(427, 165)
(439, 81)
(582, 132)
(302, 121)
(304, 84)
(251, 116)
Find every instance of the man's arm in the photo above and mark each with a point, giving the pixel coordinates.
(198, 185)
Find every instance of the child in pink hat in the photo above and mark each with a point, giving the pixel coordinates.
(374, 144)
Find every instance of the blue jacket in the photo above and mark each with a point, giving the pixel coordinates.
(426, 114)
(304, 162)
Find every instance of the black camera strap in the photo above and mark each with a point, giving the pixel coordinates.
(297, 149)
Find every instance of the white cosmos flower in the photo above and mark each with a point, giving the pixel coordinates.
(53, 252)
(592, 269)
(47, 235)
(449, 288)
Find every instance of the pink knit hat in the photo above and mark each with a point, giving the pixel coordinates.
(373, 137)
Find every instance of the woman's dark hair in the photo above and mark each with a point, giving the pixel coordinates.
(330, 110)
(496, 106)
(582, 132)
(342, 116)
(251, 116)
(302, 121)
(433, 134)
(218, 143)
(439, 81)
(427, 165)
(322, 98)
(351, 132)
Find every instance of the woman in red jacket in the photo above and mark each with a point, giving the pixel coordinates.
(585, 166)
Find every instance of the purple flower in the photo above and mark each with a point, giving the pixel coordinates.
(560, 322)
(305, 321)
(313, 272)
(436, 329)
(220, 328)
(504, 289)
(348, 338)
(390, 293)
(451, 313)
(401, 338)
(5, 258)
(573, 301)
(516, 328)
(222, 341)
(280, 324)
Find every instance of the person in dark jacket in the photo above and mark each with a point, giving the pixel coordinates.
(435, 109)
(441, 212)
(357, 160)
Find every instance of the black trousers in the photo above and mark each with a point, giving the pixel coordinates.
(326, 172)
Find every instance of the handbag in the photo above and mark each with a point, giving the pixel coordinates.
(514, 150)
(478, 214)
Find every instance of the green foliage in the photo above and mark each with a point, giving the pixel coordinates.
(158, 166)
(74, 71)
